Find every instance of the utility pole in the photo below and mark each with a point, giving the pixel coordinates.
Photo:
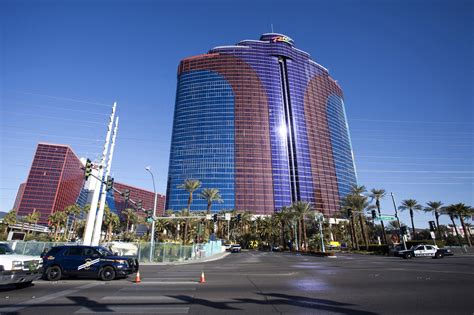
(100, 214)
(398, 220)
(152, 237)
(95, 196)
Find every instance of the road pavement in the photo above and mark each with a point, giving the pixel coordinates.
(264, 283)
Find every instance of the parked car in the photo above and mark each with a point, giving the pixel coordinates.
(235, 248)
(276, 248)
(227, 247)
(423, 250)
(86, 261)
(19, 270)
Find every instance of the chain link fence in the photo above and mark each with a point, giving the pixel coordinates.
(162, 252)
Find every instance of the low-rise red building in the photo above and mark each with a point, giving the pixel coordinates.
(136, 194)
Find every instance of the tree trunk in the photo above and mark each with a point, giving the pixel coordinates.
(299, 235)
(364, 236)
(412, 224)
(282, 234)
(466, 235)
(456, 230)
(354, 233)
(437, 225)
(304, 236)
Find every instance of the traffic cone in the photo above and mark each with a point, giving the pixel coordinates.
(203, 279)
(137, 278)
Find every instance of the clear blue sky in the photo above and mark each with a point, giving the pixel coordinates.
(406, 68)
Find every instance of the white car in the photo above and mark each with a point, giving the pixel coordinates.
(19, 270)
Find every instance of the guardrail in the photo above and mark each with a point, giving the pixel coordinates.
(162, 252)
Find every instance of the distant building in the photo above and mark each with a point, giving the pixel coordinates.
(21, 189)
(117, 202)
(54, 182)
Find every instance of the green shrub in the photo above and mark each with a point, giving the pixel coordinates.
(378, 249)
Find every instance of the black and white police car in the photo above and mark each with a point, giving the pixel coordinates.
(423, 250)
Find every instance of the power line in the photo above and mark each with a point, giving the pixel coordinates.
(412, 157)
(410, 121)
(63, 98)
(68, 109)
(51, 117)
(412, 171)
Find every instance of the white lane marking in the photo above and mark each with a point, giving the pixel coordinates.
(415, 270)
(133, 310)
(157, 289)
(160, 298)
(45, 298)
(169, 282)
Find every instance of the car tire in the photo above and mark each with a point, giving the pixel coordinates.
(22, 285)
(53, 273)
(408, 256)
(107, 273)
(439, 255)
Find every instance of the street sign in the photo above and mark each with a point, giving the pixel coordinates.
(149, 220)
(433, 236)
(227, 216)
(386, 218)
(208, 216)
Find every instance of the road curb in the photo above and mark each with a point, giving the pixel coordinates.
(187, 262)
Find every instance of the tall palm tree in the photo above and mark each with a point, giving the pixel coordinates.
(190, 185)
(57, 219)
(462, 211)
(128, 214)
(9, 219)
(451, 211)
(412, 205)
(111, 220)
(32, 218)
(74, 211)
(302, 209)
(377, 195)
(435, 208)
(211, 195)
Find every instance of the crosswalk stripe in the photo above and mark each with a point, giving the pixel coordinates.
(159, 298)
(133, 310)
(169, 282)
(157, 289)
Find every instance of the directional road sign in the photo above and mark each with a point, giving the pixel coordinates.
(386, 217)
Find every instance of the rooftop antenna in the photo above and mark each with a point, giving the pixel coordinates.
(272, 27)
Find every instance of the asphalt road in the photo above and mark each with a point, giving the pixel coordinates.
(264, 283)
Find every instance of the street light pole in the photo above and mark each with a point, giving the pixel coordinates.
(320, 217)
(398, 220)
(152, 238)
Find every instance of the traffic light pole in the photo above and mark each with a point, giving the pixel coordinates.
(398, 220)
(95, 196)
(100, 214)
(152, 237)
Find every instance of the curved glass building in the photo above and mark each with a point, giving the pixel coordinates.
(263, 123)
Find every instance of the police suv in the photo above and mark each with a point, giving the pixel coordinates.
(86, 261)
(424, 251)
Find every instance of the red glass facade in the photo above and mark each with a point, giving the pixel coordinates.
(147, 197)
(54, 182)
(21, 189)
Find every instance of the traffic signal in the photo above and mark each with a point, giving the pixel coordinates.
(374, 214)
(149, 216)
(432, 226)
(214, 218)
(88, 169)
(109, 184)
(349, 212)
(403, 230)
(239, 217)
(126, 195)
(139, 205)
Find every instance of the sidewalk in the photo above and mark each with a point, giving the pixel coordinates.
(186, 262)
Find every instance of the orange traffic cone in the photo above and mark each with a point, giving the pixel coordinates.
(203, 279)
(137, 278)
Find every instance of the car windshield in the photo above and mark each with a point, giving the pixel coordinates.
(104, 251)
(5, 249)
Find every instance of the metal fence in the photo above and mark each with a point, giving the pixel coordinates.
(162, 252)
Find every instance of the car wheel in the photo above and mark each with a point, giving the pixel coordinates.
(107, 274)
(408, 256)
(439, 255)
(22, 285)
(53, 273)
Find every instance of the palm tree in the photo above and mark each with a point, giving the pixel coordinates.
(210, 194)
(128, 214)
(190, 185)
(57, 219)
(377, 195)
(461, 211)
(74, 211)
(9, 219)
(357, 202)
(302, 209)
(451, 211)
(111, 220)
(435, 207)
(32, 218)
(412, 205)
